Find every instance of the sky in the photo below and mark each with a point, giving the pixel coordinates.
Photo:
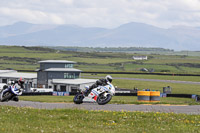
(101, 13)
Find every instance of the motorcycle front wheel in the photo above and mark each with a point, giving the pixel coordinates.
(101, 100)
(5, 96)
(78, 98)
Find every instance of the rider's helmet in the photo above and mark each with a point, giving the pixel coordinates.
(21, 82)
(108, 78)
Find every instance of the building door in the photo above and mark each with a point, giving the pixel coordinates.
(55, 88)
(63, 88)
(30, 84)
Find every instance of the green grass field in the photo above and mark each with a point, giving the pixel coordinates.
(23, 120)
(26, 58)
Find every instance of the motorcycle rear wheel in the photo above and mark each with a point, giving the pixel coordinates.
(101, 100)
(78, 98)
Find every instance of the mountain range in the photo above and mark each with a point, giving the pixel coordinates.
(127, 35)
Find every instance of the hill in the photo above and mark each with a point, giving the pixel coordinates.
(127, 35)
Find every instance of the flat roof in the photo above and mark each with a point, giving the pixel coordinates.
(73, 81)
(62, 69)
(7, 71)
(56, 61)
(19, 75)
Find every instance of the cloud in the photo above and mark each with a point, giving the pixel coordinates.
(103, 13)
(32, 16)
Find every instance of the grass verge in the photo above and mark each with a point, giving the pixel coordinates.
(23, 120)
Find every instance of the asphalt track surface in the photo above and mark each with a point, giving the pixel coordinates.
(193, 109)
(152, 80)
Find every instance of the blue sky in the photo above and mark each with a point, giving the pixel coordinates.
(101, 13)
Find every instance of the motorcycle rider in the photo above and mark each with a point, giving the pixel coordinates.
(99, 82)
(18, 84)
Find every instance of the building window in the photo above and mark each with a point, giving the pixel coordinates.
(69, 76)
(77, 76)
(74, 89)
(68, 65)
(4, 81)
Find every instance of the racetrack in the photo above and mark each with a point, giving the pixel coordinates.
(152, 80)
(193, 109)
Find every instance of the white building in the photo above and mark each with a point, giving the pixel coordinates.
(53, 75)
(8, 75)
(61, 76)
(71, 85)
(140, 57)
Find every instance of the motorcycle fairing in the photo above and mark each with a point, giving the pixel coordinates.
(14, 90)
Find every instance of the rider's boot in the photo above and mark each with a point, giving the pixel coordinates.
(87, 92)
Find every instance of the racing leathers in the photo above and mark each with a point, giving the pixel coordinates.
(99, 82)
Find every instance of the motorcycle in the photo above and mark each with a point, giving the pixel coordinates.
(102, 94)
(10, 93)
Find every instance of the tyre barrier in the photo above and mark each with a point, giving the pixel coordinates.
(143, 95)
(155, 96)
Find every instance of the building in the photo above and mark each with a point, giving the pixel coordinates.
(56, 75)
(7, 71)
(11, 75)
(71, 85)
(140, 57)
(61, 76)
(55, 69)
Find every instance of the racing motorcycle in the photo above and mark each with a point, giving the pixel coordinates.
(102, 94)
(11, 92)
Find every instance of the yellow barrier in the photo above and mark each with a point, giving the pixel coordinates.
(148, 96)
(155, 95)
(143, 95)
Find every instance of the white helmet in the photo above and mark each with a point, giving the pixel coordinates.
(108, 78)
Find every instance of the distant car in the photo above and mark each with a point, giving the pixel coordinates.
(144, 69)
